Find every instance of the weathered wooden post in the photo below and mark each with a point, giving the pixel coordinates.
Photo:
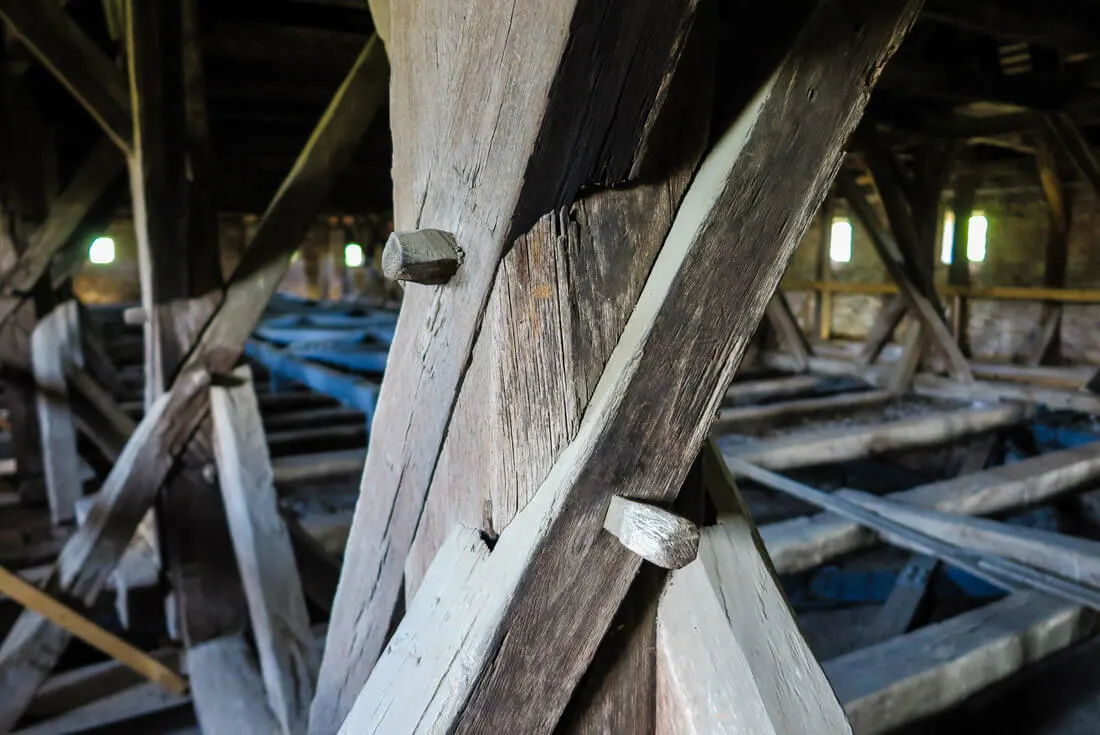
(608, 289)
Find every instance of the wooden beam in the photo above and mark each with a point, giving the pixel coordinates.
(436, 398)
(140, 700)
(786, 326)
(921, 306)
(42, 604)
(76, 61)
(885, 686)
(773, 414)
(886, 322)
(514, 690)
(1082, 401)
(288, 655)
(1076, 147)
(33, 647)
(807, 448)
(1076, 559)
(805, 542)
(907, 604)
(751, 391)
(103, 166)
(228, 689)
(958, 274)
(55, 344)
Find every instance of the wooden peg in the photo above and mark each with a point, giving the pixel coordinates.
(135, 315)
(429, 257)
(659, 537)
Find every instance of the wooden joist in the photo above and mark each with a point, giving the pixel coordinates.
(783, 321)
(68, 212)
(287, 650)
(55, 344)
(1082, 401)
(803, 543)
(770, 414)
(228, 689)
(139, 700)
(76, 61)
(753, 391)
(907, 604)
(807, 448)
(902, 680)
(539, 592)
(33, 646)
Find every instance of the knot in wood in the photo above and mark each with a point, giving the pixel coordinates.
(428, 257)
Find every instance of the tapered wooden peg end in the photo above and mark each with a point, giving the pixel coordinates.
(659, 537)
(429, 257)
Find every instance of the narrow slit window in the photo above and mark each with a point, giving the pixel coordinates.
(353, 255)
(976, 230)
(840, 241)
(102, 251)
(947, 242)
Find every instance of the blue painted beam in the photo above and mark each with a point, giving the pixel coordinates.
(349, 390)
(364, 358)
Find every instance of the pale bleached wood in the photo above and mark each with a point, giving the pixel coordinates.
(754, 390)
(803, 543)
(33, 646)
(288, 655)
(1082, 401)
(447, 57)
(744, 417)
(55, 345)
(518, 691)
(428, 257)
(805, 448)
(931, 669)
(658, 536)
(900, 378)
(908, 602)
(778, 663)
(406, 675)
(1073, 558)
(228, 690)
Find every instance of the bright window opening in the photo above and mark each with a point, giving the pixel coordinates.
(840, 241)
(353, 255)
(977, 227)
(102, 251)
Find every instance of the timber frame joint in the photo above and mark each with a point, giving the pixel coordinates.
(653, 533)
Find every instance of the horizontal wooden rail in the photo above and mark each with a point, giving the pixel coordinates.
(992, 293)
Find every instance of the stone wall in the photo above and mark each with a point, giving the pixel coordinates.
(1018, 225)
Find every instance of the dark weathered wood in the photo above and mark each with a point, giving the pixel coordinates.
(33, 646)
(781, 318)
(1076, 147)
(287, 650)
(427, 257)
(552, 243)
(895, 259)
(907, 604)
(688, 318)
(886, 322)
(103, 167)
(823, 313)
(76, 61)
(114, 709)
(958, 274)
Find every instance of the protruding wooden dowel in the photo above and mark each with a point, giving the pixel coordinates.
(659, 537)
(429, 257)
(135, 315)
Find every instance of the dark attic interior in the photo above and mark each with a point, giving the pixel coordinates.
(642, 367)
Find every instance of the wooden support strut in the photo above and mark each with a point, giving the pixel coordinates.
(34, 645)
(579, 592)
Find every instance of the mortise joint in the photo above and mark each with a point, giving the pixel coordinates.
(429, 257)
(653, 533)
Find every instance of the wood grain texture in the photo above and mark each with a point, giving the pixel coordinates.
(76, 61)
(33, 646)
(1076, 559)
(427, 257)
(806, 448)
(557, 577)
(289, 658)
(55, 344)
(902, 680)
(228, 690)
(803, 543)
(544, 241)
(658, 536)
